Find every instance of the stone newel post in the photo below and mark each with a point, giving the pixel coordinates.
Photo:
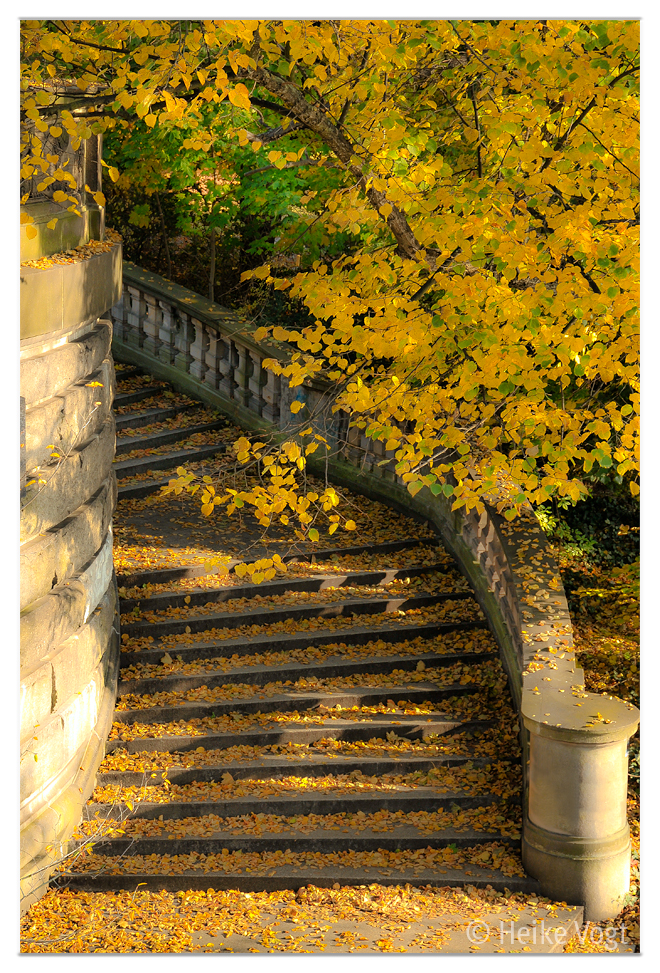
(576, 839)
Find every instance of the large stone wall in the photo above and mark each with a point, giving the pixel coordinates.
(575, 834)
(69, 651)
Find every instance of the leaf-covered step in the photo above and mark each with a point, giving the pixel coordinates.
(264, 674)
(115, 803)
(268, 601)
(126, 444)
(164, 575)
(316, 583)
(147, 417)
(286, 878)
(129, 371)
(447, 648)
(278, 642)
(310, 765)
(125, 468)
(408, 728)
(139, 395)
(493, 861)
(134, 491)
(385, 745)
(150, 709)
(501, 818)
(333, 609)
(326, 842)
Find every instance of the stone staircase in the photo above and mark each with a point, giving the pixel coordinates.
(343, 724)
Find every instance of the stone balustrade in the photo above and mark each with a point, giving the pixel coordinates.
(575, 836)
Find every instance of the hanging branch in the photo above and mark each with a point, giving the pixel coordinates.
(473, 97)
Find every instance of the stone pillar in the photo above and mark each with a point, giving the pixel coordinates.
(576, 840)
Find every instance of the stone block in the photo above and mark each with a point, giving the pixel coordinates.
(81, 653)
(61, 552)
(59, 614)
(69, 485)
(71, 415)
(45, 372)
(36, 698)
(59, 739)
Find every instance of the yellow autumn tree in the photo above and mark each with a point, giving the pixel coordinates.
(484, 321)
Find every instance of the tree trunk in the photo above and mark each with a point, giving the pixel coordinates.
(164, 235)
(212, 267)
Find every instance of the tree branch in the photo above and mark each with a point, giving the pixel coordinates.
(317, 121)
(473, 98)
(98, 47)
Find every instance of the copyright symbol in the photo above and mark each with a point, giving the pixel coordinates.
(478, 932)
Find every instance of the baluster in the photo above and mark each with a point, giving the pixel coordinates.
(167, 333)
(135, 316)
(226, 365)
(185, 334)
(118, 316)
(242, 375)
(151, 325)
(215, 353)
(352, 448)
(198, 350)
(255, 383)
(367, 456)
(271, 395)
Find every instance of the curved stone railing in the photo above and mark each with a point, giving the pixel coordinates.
(575, 834)
(69, 648)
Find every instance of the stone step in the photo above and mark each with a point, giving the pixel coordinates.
(319, 582)
(301, 803)
(269, 616)
(126, 444)
(405, 727)
(167, 461)
(128, 398)
(137, 490)
(129, 372)
(367, 696)
(327, 842)
(357, 635)
(165, 575)
(261, 674)
(286, 877)
(134, 420)
(275, 766)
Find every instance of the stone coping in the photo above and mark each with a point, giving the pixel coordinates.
(220, 318)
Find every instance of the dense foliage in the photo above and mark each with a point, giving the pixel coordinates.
(454, 204)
